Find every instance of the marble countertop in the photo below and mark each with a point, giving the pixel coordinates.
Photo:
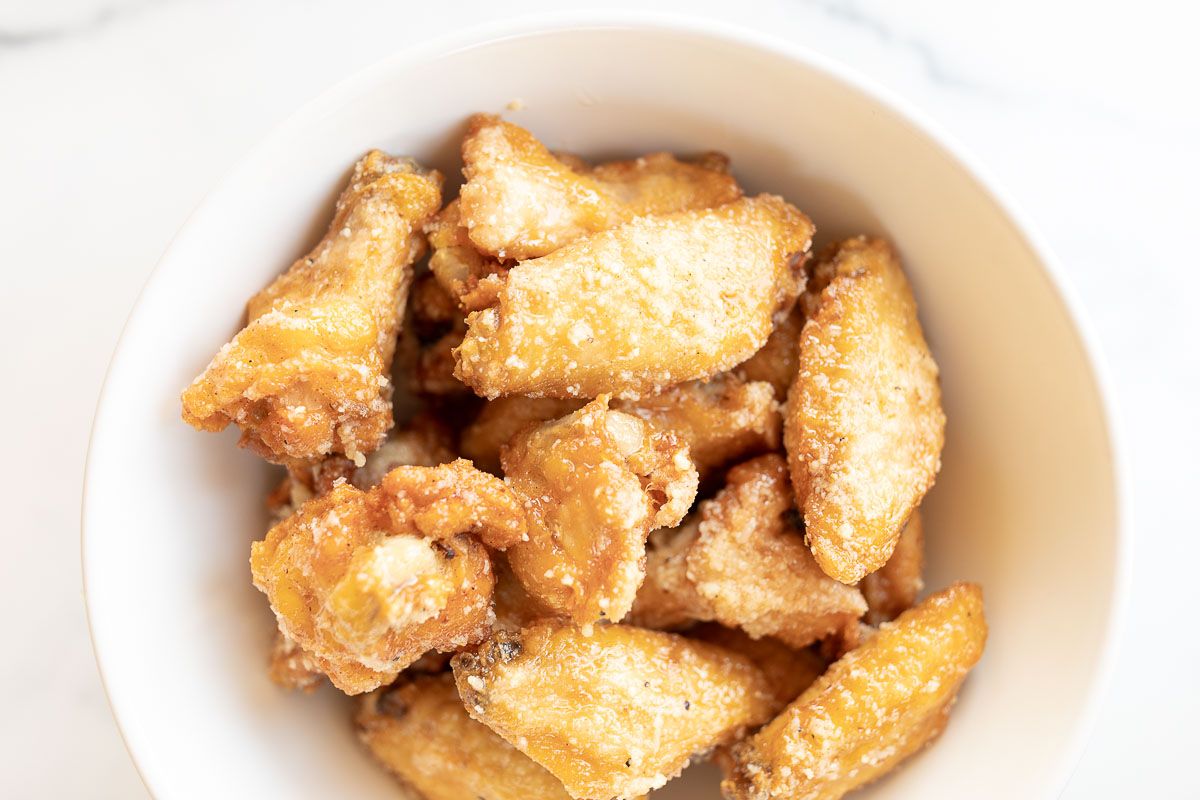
(117, 115)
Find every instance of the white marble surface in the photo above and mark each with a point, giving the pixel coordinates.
(117, 115)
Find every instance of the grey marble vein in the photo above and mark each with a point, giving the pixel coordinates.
(96, 20)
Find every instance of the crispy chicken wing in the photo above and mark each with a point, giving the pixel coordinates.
(614, 714)
(366, 582)
(521, 201)
(751, 565)
(640, 307)
(864, 423)
(595, 483)
(875, 707)
(309, 374)
(503, 418)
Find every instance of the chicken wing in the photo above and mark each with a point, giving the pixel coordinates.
(521, 201)
(864, 423)
(366, 582)
(875, 707)
(309, 374)
(640, 307)
(595, 483)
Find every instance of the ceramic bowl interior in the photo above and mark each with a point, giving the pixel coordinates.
(1027, 501)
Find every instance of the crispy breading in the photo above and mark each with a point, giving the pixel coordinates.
(720, 421)
(595, 483)
(434, 372)
(366, 582)
(873, 708)
(667, 600)
(864, 424)
(894, 587)
(777, 361)
(750, 564)
(789, 671)
(520, 201)
(419, 730)
(614, 714)
(640, 307)
(290, 667)
(309, 374)
(503, 418)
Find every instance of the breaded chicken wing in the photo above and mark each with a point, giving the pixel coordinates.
(613, 714)
(893, 588)
(521, 201)
(864, 424)
(875, 707)
(309, 374)
(366, 582)
(503, 418)
(594, 483)
(745, 565)
(640, 307)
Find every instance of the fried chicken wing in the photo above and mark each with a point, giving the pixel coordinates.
(456, 264)
(640, 307)
(743, 563)
(503, 418)
(751, 565)
(366, 582)
(419, 730)
(614, 714)
(894, 587)
(864, 424)
(424, 442)
(595, 483)
(521, 201)
(309, 374)
(720, 421)
(875, 707)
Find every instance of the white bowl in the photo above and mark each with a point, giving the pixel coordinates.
(1028, 502)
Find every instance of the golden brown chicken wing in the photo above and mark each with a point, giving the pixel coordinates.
(640, 307)
(595, 483)
(614, 714)
(366, 582)
(309, 374)
(894, 587)
(878, 705)
(864, 423)
(521, 201)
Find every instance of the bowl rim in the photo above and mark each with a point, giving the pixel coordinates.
(532, 24)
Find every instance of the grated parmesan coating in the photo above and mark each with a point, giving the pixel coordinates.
(522, 201)
(366, 582)
(893, 588)
(595, 483)
(308, 375)
(879, 704)
(614, 713)
(667, 600)
(720, 421)
(419, 730)
(864, 425)
(641, 307)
